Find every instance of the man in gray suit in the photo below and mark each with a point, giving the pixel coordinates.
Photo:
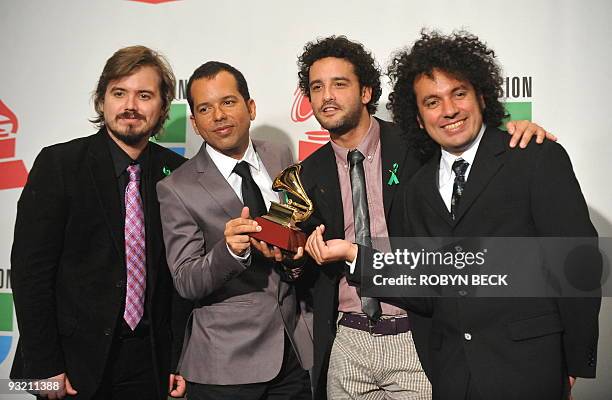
(246, 338)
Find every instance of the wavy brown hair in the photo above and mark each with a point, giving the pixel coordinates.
(124, 63)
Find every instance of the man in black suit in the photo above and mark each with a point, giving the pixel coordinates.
(93, 294)
(446, 91)
(342, 81)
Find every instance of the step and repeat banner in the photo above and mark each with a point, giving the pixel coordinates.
(556, 57)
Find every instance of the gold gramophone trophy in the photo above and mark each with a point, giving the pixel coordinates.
(279, 225)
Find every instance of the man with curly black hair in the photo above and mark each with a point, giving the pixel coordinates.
(446, 99)
(363, 349)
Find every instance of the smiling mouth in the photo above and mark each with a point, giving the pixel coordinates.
(454, 126)
(330, 108)
(224, 129)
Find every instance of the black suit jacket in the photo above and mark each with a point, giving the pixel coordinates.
(68, 265)
(520, 348)
(320, 179)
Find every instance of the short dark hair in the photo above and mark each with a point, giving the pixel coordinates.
(460, 54)
(364, 65)
(127, 61)
(209, 70)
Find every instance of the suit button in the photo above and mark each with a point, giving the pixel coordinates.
(120, 284)
(108, 331)
(467, 336)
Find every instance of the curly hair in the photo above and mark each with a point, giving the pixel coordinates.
(363, 62)
(127, 61)
(460, 54)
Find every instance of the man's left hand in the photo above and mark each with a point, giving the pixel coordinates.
(333, 250)
(274, 253)
(524, 130)
(177, 386)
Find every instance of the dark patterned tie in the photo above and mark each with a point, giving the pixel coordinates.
(361, 221)
(251, 195)
(135, 254)
(459, 167)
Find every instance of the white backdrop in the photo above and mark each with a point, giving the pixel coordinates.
(53, 53)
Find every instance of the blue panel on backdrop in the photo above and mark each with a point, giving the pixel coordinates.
(178, 150)
(5, 347)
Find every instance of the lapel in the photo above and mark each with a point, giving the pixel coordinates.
(103, 178)
(215, 184)
(328, 198)
(393, 151)
(489, 159)
(431, 193)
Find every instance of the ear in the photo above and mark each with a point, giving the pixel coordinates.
(482, 102)
(252, 109)
(366, 94)
(193, 125)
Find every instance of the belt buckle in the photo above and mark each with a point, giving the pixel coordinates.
(371, 326)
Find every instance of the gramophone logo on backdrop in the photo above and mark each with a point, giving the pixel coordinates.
(301, 111)
(13, 173)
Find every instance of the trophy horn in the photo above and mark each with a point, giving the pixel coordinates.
(289, 181)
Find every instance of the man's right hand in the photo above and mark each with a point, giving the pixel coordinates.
(237, 232)
(65, 388)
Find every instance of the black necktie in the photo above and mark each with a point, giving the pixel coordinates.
(251, 195)
(459, 167)
(361, 221)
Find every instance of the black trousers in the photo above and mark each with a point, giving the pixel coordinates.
(129, 373)
(292, 382)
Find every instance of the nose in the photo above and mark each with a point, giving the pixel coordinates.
(218, 114)
(130, 103)
(449, 108)
(327, 93)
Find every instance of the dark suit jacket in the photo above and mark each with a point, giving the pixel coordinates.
(520, 348)
(320, 178)
(68, 265)
(236, 334)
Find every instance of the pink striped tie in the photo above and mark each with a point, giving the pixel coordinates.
(135, 256)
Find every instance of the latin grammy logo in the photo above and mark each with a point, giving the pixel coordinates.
(13, 173)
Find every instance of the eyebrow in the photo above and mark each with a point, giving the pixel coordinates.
(335, 78)
(228, 97)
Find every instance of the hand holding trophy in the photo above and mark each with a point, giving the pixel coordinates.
(279, 225)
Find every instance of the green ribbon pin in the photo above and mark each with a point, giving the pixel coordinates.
(393, 179)
(166, 171)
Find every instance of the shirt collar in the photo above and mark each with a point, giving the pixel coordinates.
(226, 164)
(368, 146)
(447, 159)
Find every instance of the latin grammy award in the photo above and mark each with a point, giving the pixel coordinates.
(279, 225)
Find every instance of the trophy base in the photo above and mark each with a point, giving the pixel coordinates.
(283, 237)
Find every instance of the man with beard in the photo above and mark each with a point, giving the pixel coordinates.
(93, 295)
(363, 348)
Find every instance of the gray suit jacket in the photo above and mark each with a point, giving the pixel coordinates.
(235, 334)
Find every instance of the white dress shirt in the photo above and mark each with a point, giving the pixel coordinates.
(446, 175)
(226, 164)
